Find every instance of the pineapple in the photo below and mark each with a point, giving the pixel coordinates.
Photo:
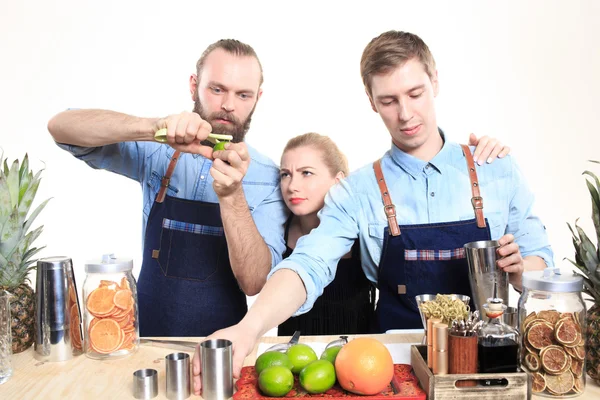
(587, 256)
(18, 187)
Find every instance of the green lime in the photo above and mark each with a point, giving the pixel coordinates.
(219, 146)
(272, 359)
(301, 355)
(331, 353)
(276, 381)
(318, 376)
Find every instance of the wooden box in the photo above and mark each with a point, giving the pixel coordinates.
(442, 387)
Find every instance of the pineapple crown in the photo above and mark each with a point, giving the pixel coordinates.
(18, 187)
(587, 255)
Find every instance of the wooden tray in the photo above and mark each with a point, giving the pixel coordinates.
(442, 387)
(404, 386)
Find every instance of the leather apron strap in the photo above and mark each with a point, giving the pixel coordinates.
(388, 207)
(164, 183)
(476, 200)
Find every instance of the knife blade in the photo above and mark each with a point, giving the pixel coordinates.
(170, 344)
(282, 347)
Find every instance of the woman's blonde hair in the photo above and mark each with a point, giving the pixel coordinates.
(333, 158)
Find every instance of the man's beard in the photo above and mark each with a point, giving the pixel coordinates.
(236, 128)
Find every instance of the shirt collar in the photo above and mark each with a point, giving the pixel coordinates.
(414, 166)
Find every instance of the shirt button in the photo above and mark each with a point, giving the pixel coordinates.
(432, 194)
(427, 166)
(201, 176)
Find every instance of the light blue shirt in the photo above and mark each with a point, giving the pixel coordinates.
(423, 192)
(147, 162)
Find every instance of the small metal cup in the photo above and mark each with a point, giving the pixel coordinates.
(145, 384)
(178, 376)
(217, 369)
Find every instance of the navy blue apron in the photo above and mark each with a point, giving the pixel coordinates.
(186, 286)
(424, 258)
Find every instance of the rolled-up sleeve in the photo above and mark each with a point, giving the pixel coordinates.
(316, 255)
(528, 230)
(126, 158)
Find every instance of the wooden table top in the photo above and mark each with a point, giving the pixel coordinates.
(85, 378)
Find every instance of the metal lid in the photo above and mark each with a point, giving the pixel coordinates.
(551, 280)
(109, 264)
(49, 263)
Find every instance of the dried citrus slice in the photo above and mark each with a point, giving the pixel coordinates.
(560, 384)
(106, 335)
(124, 322)
(125, 284)
(100, 301)
(539, 383)
(579, 352)
(549, 315)
(578, 385)
(123, 299)
(74, 326)
(532, 362)
(554, 359)
(530, 348)
(576, 367)
(527, 320)
(540, 335)
(566, 333)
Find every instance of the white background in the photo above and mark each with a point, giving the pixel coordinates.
(525, 72)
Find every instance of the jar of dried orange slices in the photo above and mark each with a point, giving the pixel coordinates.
(552, 326)
(110, 305)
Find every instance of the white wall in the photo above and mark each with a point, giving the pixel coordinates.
(525, 72)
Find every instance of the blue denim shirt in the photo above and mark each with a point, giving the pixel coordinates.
(438, 191)
(147, 162)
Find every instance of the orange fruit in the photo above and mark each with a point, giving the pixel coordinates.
(364, 366)
(100, 301)
(106, 335)
(539, 383)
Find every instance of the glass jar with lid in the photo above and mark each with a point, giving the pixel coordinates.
(552, 325)
(111, 310)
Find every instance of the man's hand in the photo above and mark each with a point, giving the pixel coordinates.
(229, 168)
(511, 260)
(185, 132)
(487, 149)
(243, 344)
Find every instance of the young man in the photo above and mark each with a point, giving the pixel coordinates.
(412, 211)
(213, 222)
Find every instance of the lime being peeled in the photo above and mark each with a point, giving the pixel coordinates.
(215, 138)
(220, 146)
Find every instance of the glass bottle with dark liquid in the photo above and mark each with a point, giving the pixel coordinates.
(498, 343)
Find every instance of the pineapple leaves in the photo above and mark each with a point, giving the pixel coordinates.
(35, 214)
(594, 192)
(18, 187)
(13, 182)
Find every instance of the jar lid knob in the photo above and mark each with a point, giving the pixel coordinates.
(108, 258)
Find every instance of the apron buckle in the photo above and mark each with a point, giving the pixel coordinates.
(155, 254)
(401, 289)
(390, 210)
(477, 202)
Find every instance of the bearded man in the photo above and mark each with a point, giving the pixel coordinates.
(213, 226)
